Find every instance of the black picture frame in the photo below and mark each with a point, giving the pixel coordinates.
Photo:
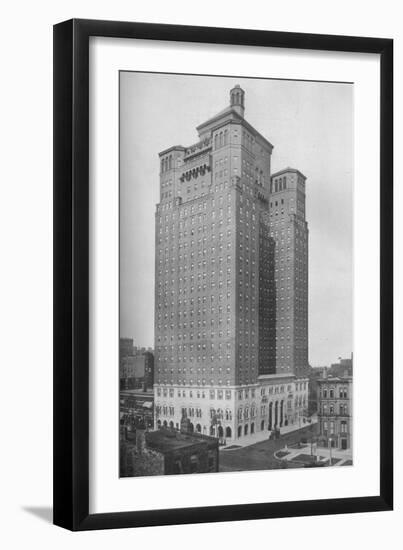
(71, 274)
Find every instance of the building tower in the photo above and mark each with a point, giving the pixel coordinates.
(219, 297)
(237, 100)
(289, 231)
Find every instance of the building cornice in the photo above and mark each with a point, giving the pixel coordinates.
(286, 171)
(238, 119)
(173, 148)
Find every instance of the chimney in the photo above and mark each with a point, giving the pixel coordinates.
(324, 373)
(185, 423)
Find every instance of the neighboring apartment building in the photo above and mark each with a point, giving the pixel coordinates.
(335, 418)
(343, 366)
(231, 285)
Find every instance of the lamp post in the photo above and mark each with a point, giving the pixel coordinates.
(313, 443)
(330, 451)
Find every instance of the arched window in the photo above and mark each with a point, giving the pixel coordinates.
(239, 431)
(221, 139)
(216, 141)
(170, 161)
(284, 183)
(245, 430)
(225, 137)
(228, 432)
(276, 186)
(198, 428)
(262, 425)
(162, 165)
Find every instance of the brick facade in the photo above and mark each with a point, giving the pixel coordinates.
(231, 275)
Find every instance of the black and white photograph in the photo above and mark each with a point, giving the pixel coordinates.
(236, 274)
(200, 275)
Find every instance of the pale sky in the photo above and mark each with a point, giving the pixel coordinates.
(310, 125)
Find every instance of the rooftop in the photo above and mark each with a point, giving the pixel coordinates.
(287, 170)
(336, 379)
(275, 376)
(165, 440)
(138, 391)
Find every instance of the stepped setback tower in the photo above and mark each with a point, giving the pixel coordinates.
(231, 284)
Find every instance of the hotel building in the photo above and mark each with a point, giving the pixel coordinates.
(231, 283)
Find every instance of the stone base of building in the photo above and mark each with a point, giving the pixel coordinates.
(275, 404)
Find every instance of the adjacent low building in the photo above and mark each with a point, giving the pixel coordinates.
(343, 366)
(136, 368)
(275, 402)
(335, 421)
(168, 452)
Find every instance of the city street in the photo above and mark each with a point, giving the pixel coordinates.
(261, 455)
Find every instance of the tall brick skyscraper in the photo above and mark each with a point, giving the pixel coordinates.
(231, 320)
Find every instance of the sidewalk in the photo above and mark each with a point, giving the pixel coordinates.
(342, 456)
(294, 427)
(251, 439)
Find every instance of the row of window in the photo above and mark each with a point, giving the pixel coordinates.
(279, 184)
(332, 392)
(199, 394)
(191, 382)
(329, 427)
(194, 347)
(332, 409)
(166, 163)
(221, 139)
(200, 335)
